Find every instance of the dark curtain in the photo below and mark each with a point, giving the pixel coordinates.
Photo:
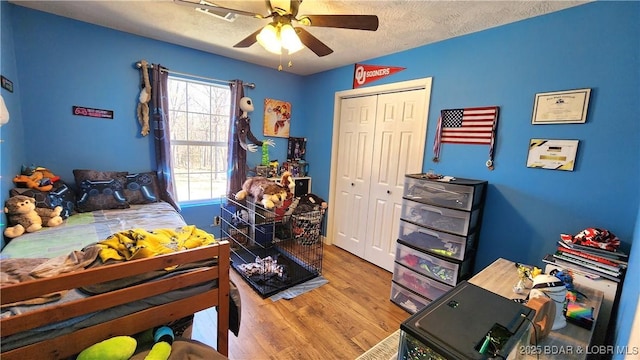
(236, 155)
(160, 123)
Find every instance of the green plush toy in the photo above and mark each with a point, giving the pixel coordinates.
(115, 348)
(123, 347)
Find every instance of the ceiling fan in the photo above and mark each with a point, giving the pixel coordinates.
(284, 14)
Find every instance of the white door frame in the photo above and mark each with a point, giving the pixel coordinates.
(423, 83)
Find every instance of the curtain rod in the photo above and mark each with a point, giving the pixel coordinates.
(249, 85)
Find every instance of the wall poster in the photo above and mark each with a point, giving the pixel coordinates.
(277, 118)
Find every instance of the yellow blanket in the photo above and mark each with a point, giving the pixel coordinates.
(138, 243)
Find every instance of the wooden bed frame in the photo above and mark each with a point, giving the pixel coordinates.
(63, 346)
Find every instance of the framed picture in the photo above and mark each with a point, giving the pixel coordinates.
(561, 107)
(277, 118)
(552, 154)
(296, 148)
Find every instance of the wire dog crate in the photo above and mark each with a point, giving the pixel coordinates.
(272, 250)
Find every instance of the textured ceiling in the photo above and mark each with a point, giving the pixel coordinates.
(403, 25)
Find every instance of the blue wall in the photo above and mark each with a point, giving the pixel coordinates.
(64, 62)
(597, 45)
(591, 46)
(12, 151)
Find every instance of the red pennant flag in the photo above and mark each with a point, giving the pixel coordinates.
(364, 74)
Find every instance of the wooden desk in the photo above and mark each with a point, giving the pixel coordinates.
(570, 342)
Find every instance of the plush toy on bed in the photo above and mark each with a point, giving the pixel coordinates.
(23, 216)
(33, 177)
(264, 191)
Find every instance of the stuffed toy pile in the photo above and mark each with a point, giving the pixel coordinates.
(123, 347)
(38, 178)
(165, 347)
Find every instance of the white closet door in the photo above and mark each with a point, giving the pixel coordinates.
(355, 149)
(398, 149)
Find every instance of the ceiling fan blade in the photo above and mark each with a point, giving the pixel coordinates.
(356, 22)
(249, 40)
(216, 8)
(313, 43)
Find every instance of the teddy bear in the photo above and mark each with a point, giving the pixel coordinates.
(24, 216)
(264, 191)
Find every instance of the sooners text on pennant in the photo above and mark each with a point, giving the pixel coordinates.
(364, 74)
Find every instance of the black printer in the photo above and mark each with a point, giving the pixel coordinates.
(467, 322)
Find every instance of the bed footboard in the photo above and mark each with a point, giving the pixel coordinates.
(63, 346)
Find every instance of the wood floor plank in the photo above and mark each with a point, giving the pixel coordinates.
(339, 320)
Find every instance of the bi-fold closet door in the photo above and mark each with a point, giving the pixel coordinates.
(381, 138)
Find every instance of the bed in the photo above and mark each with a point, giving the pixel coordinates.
(59, 329)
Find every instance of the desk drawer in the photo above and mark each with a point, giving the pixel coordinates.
(453, 221)
(421, 284)
(452, 246)
(406, 299)
(441, 193)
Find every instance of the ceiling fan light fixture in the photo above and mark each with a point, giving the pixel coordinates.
(268, 38)
(289, 39)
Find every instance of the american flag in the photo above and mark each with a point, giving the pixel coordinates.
(466, 126)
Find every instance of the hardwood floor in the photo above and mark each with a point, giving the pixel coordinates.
(339, 320)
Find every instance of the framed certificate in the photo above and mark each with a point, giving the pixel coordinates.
(552, 154)
(561, 107)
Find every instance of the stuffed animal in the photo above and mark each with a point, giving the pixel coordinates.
(25, 181)
(264, 191)
(117, 347)
(123, 347)
(37, 178)
(165, 347)
(286, 180)
(144, 97)
(24, 216)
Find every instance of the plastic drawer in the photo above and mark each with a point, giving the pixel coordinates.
(406, 299)
(429, 288)
(452, 246)
(431, 266)
(464, 194)
(453, 221)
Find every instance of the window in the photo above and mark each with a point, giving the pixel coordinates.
(199, 123)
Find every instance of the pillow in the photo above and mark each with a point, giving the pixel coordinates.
(100, 190)
(142, 188)
(60, 195)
